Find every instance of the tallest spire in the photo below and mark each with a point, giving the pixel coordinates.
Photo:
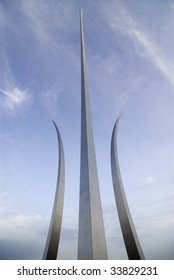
(91, 236)
(83, 57)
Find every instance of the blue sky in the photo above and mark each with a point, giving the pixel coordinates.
(129, 49)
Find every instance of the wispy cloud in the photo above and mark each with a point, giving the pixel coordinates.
(46, 19)
(43, 23)
(12, 96)
(149, 48)
(13, 99)
(50, 98)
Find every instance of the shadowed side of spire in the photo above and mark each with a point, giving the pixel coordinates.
(52, 243)
(130, 237)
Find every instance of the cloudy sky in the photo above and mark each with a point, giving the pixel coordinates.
(130, 61)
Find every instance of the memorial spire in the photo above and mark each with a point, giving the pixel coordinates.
(91, 235)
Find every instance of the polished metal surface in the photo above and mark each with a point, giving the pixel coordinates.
(91, 235)
(130, 237)
(52, 243)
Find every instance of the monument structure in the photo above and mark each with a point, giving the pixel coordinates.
(130, 237)
(91, 235)
(52, 243)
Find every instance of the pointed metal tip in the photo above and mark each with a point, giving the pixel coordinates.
(80, 11)
(118, 119)
(116, 123)
(55, 125)
(57, 130)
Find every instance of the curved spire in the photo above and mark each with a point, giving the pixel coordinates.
(52, 243)
(130, 237)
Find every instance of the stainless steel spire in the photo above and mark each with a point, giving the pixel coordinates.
(52, 243)
(130, 237)
(91, 235)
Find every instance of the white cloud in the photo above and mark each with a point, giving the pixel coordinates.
(23, 220)
(148, 180)
(13, 99)
(20, 226)
(19, 220)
